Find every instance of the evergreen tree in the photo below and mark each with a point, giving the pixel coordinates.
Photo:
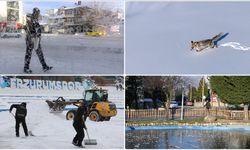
(232, 90)
(134, 91)
(152, 86)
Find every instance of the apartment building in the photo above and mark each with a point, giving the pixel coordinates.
(10, 15)
(80, 19)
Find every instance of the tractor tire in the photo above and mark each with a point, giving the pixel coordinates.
(94, 116)
(102, 119)
(107, 118)
(70, 115)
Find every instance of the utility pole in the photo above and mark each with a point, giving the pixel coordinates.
(202, 94)
(190, 91)
(182, 101)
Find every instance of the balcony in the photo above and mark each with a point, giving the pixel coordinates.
(13, 5)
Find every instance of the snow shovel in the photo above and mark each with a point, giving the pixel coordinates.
(89, 141)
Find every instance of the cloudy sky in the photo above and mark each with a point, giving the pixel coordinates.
(45, 5)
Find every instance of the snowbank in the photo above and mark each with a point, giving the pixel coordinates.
(12, 95)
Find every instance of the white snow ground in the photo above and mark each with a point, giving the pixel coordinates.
(53, 131)
(159, 34)
(68, 54)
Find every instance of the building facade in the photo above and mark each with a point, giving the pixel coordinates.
(80, 19)
(11, 15)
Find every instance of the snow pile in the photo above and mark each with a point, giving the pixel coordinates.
(40, 93)
(12, 95)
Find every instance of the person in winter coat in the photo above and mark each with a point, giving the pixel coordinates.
(21, 113)
(33, 40)
(79, 124)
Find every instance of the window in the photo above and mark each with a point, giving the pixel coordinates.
(88, 96)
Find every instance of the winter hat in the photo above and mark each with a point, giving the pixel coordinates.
(23, 103)
(36, 13)
(36, 10)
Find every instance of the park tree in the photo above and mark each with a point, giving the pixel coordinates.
(200, 89)
(171, 84)
(193, 94)
(233, 90)
(134, 91)
(152, 86)
(156, 87)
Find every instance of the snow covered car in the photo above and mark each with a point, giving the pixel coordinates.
(173, 104)
(10, 35)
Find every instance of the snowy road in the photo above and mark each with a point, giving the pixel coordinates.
(55, 132)
(68, 54)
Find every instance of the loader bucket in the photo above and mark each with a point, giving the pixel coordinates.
(56, 106)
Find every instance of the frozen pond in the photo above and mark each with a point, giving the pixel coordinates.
(188, 138)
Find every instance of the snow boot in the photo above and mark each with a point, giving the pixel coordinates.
(46, 68)
(27, 70)
(30, 134)
(74, 143)
(81, 146)
(78, 145)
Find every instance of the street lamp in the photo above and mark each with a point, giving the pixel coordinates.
(182, 101)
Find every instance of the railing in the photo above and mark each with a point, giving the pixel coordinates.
(188, 113)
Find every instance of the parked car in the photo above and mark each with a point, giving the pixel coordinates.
(173, 104)
(189, 103)
(149, 103)
(95, 33)
(10, 35)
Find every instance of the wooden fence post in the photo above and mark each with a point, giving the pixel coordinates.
(216, 112)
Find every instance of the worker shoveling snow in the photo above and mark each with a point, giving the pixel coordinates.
(54, 131)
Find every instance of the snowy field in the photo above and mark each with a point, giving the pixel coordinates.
(68, 54)
(159, 35)
(53, 130)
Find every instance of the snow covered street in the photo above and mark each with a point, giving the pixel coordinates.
(68, 54)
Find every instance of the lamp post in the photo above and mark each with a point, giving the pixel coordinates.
(182, 101)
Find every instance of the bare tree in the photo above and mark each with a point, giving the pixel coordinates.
(173, 83)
